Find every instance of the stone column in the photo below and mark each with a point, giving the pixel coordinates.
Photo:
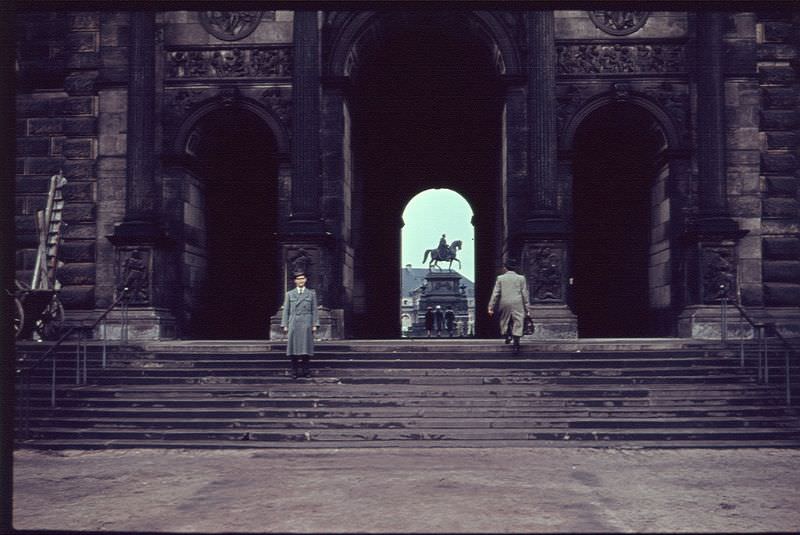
(710, 115)
(711, 235)
(141, 262)
(306, 188)
(542, 153)
(542, 245)
(305, 244)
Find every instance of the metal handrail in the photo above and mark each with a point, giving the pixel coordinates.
(760, 334)
(26, 372)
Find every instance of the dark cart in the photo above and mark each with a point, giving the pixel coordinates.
(37, 311)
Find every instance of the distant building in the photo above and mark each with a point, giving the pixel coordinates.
(413, 283)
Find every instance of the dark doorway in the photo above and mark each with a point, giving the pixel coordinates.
(426, 109)
(612, 175)
(242, 289)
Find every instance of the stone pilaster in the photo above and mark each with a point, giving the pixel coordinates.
(710, 236)
(142, 263)
(306, 190)
(542, 246)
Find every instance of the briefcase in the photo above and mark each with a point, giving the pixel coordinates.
(527, 326)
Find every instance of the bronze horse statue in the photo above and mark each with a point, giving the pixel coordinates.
(449, 256)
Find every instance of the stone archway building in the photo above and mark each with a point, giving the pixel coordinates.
(636, 163)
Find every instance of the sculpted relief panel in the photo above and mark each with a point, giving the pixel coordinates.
(250, 62)
(616, 58)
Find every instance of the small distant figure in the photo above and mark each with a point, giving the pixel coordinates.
(450, 320)
(429, 321)
(510, 295)
(300, 321)
(438, 319)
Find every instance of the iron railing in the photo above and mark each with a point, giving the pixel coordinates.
(768, 340)
(25, 373)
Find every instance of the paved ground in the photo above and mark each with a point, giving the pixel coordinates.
(433, 490)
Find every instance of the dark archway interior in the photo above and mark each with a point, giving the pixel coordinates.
(613, 167)
(426, 114)
(237, 159)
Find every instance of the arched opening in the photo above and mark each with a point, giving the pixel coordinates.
(620, 212)
(429, 277)
(426, 113)
(236, 159)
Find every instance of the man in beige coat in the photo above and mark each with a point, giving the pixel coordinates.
(510, 295)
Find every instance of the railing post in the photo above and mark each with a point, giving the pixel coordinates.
(105, 345)
(86, 362)
(741, 339)
(788, 377)
(53, 383)
(78, 358)
(724, 313)
(124, 327)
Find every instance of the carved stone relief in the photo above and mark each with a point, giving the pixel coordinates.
(256, 62)
(674, 100)
(719, 273)
(280, 104)
(568, 102)
(544, 270)
(132, 270)
(233, 25)
(615, 58)
(619, 22)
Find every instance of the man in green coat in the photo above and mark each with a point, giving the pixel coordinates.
(300, 321)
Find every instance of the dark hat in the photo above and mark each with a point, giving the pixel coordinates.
(299, 273)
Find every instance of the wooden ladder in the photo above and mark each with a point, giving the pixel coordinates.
(49, 223)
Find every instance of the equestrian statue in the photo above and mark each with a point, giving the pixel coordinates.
(443, 253)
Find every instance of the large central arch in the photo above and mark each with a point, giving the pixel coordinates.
(425, 108)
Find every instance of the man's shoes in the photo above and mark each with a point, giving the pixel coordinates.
(508, 339)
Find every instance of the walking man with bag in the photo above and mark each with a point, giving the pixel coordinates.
(510, 296)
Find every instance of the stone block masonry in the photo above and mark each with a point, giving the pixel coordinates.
(780, 169)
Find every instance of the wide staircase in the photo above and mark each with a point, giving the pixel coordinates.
(429, 393)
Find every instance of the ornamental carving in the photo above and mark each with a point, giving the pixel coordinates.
(719, 273)
(259, 62)
(674, 100)
(544, 269)
(133, 274)
(230, 25)
(280, 104)
(567, 104)
(618, 59)
(619, 22)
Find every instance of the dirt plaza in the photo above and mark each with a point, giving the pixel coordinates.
(408, 490)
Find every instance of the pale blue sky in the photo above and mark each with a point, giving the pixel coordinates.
(430, 214)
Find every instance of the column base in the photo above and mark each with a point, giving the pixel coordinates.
(553, 322)
(705, 322)
(144, 324)
(331, 325)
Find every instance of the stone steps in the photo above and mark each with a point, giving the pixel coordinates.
(378, 395)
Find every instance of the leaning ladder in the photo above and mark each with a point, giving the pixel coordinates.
(49, 224)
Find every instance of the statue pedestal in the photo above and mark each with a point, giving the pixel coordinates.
(442, 288)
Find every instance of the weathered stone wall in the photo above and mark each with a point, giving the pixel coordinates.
(57, 129)
(778, 64)
(742, 149)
